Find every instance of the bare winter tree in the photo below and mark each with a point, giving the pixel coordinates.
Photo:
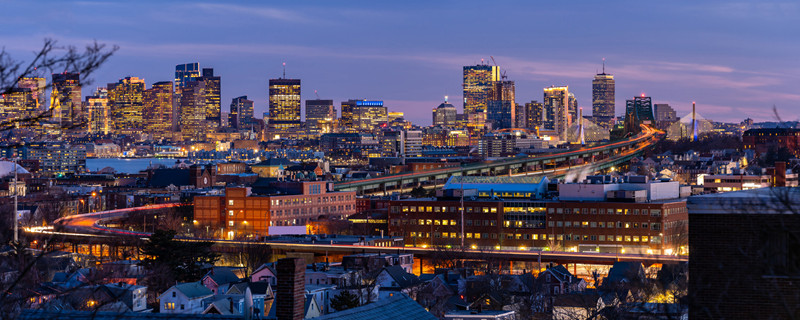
(51, 58)
(23, 262)
(252, 255)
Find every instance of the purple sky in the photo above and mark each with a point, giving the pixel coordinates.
(736, 59)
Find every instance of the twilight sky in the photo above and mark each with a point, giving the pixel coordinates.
(736, 59)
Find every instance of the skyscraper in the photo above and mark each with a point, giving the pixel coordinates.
(66, 99)
(16, 104)
(185, 73)
(157, 114)
(126, 101)
(319, 114)
(346, 120)
(369, 115)
(479, 84)
(212, 96)
(501, 109)
(37, 86)
(284, 104)
(97, 112)
(444, 115)
(555, 116)
(573, 108)
(192, 102)
(664, 112)
(533, 115)
(603, 100)
(241, 113)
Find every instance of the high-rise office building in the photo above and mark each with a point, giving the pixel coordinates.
(664, 112)
(603, 99)
(555, 116)
(157, 114)
(126, 101)
(533, 115)
(241, 113)
(37, 86)
(16, 104)
(66, 99)
(369, 115)
(479, 82)
(185, 73)
(212, 95)
(320, 114)
(501, 110)
(98, 114)
(284, 104)
(573, 108)
(444, 115)
(346, 119)
(192, 102)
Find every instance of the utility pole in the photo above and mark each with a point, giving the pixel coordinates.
(16, 213)
(461, 177)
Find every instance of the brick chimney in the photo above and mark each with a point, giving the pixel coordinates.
(780, 174)
(290, 294)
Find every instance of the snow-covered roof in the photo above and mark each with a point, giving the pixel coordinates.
(7, 168)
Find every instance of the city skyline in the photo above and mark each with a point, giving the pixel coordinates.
(723, 63)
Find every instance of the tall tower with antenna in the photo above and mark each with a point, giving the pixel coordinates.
(603, 99)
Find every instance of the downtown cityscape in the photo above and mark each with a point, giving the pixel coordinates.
(221, 177)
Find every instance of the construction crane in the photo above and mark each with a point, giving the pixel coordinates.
(502, 74)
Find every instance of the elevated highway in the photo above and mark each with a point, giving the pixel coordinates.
(553, 165)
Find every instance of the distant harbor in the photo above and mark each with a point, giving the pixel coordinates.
(128, 165)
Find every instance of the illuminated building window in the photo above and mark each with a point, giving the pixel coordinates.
(230, 223)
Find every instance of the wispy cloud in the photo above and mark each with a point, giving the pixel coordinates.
(257, 11)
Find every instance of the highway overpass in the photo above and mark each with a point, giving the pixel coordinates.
(553, 165)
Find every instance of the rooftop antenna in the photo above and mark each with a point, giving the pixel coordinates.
(315, 93)
(445, 99)
(604, 65)
(284, 70)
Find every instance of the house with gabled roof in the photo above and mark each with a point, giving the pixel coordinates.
(266, 272)
(552, 282)
(219, 277)
(184, 298)
(396, 278)
(312, 308)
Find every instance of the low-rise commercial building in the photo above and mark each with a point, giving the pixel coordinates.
(242, 211)
(515, 213)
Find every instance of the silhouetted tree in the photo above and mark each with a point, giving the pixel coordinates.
(344, 300)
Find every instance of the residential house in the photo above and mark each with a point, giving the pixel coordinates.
(266, 272)
(552, 282)
(395, 278)
(184, 298)
(219, 277)
(312, 308)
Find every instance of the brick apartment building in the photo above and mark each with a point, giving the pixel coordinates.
(744, 258)
(242, 211)
(762, 140)
(637, 216)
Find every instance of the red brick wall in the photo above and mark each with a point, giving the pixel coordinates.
(729, 267)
